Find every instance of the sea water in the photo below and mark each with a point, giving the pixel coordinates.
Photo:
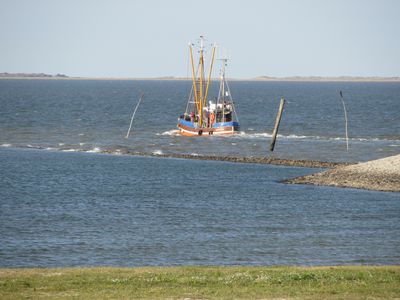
(63, 206)
(94, 115)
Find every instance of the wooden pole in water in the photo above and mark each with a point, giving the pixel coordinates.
(133, 115)
(345, 118)
(277, 122)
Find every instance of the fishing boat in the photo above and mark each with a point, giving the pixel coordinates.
(204, 117)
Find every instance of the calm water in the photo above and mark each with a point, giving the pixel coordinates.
(95, 115)
(68, 209)
(75, 208)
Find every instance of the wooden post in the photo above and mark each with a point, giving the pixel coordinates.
(133, 115)
(345, 118)
(277, 121)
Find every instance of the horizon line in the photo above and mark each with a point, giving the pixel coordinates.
(21, 75)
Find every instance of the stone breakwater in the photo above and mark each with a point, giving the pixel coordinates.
(240, 159)
(380, 175)
(234, 159)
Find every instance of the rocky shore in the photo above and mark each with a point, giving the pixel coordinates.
(380, 175)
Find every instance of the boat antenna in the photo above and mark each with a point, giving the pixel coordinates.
(133, 115)
(345, 118)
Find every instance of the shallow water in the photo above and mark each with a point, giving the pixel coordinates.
(77, 209)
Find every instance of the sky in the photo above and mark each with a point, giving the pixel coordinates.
(149, 38)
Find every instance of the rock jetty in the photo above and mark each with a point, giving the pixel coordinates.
(241, 159)
(380, 175)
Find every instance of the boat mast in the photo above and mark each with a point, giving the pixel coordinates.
(201, 66)
(200, 87)
(224, 61)
(209, 74)
(222, 88)
(193, 76)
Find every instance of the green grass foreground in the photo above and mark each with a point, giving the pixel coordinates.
(347, 282)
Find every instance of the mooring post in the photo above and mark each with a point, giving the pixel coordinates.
(345, 118)
(277, 121)
(133, 115)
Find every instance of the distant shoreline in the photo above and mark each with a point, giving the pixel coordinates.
(328, 79)
(42, 76)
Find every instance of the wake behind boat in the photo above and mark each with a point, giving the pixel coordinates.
(203, 117)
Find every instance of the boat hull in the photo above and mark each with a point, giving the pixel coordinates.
(189, 129)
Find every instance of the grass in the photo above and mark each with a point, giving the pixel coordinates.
(347, 282)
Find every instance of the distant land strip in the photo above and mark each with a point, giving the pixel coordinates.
(6, 75)
(32, 75)
(323, 78)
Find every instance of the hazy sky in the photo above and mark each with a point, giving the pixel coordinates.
(148, 38)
